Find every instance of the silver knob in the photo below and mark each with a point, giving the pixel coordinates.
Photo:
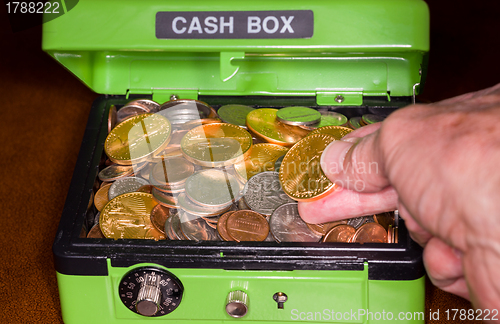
(237, 303)
(149, 297)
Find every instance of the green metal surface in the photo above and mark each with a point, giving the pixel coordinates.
(313, 296)
(359, 48)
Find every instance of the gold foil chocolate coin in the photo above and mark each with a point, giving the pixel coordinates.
(301, 176)
(246, 225)
(261, 158)
(216, 145)
(336, 131)
(128, 216)
(137, 139)
(264, 124)
(340, 233)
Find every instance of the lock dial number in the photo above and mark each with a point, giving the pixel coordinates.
(150, 291)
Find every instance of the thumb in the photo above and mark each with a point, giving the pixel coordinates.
(356, 163)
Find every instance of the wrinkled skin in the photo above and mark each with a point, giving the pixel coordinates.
(439, 164)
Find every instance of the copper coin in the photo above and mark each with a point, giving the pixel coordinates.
(355, 122)
(130, 110)
(164, 199)
(95, 232)
(390, 234)
(222, 228)
(159, 216)
(340, 233)
(101, 197)
(195, 228)
(146, 189)
(322, 229)
(246, 225)
(112, 118)
(151, 105)
(198, 122)
(370, 233)
(384, 219)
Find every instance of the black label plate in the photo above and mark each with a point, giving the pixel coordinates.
(234, 24)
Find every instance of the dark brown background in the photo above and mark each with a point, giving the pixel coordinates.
(43, 114)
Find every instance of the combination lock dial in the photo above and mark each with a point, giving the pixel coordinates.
(150, 291)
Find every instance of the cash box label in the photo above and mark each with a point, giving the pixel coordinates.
(234, 24)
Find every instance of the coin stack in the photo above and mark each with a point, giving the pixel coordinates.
(183, 171)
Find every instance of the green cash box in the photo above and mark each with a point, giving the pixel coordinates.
(349, 56)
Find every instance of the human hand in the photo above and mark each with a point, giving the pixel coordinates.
(439, 164)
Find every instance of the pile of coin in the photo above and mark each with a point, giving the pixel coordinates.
(185, 171)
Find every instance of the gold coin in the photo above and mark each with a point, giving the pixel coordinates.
(137, 138)
(101, 197)
(336, 131)
(216, 145)
(300, 173)
(128, 216)
(264, 124)
(261, 158)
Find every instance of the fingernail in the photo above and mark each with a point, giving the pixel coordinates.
(332, 159)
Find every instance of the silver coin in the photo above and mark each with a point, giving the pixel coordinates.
(328, 118)
(287, 226)
(165, 199)
(181, 111)
(196, 228)
(189, 206)
(298, 116)
(242, 205)
(213, 188)
(129, 111)
(356, 222)
(235, 114)
(263, 193)
(354, 122)
(115, 171)
(277, 164)
(125, 185)
(172, 227)
(96, 219)
(153, 106)
(369, 219)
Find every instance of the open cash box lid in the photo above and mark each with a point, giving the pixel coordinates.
(328, 49)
